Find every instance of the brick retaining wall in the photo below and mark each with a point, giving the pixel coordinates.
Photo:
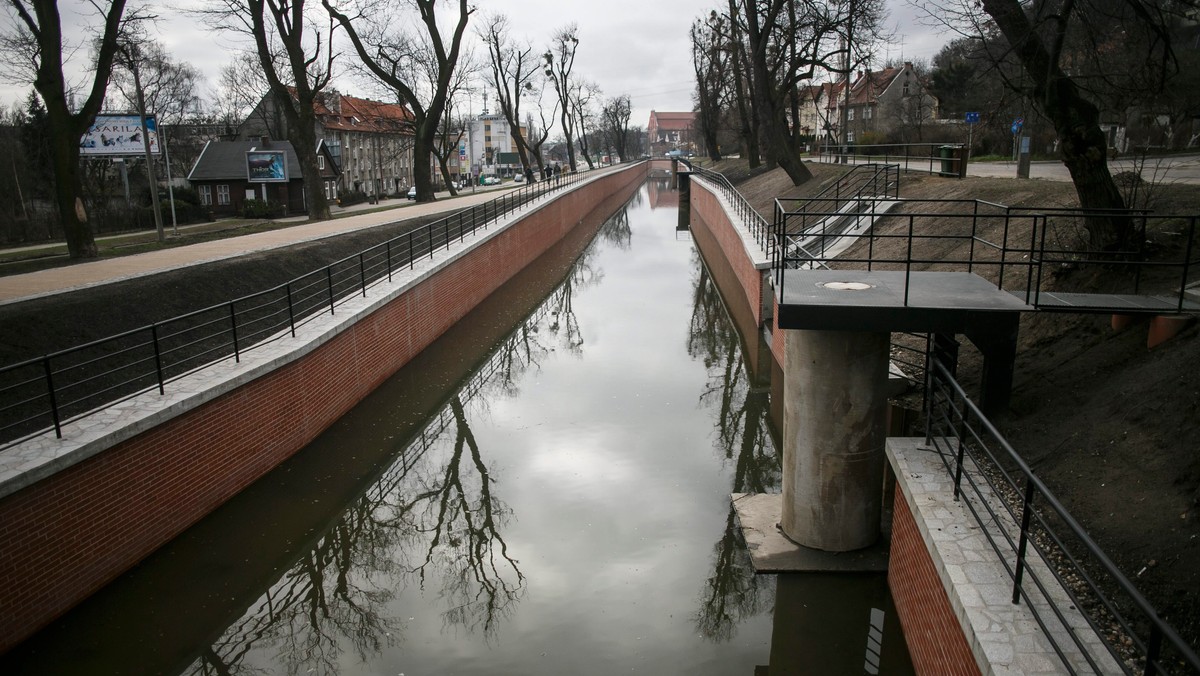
(67, 535)
(931, 629)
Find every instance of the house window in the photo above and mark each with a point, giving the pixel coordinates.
(849, 113)
(206, 195)
(222, 194)
(321, 162)
(904, 92)
(867, 113)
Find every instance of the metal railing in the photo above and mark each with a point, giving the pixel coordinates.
(755, 224)
(852, 199)
(1040, 544)
(1016, 248)
(46, 392)
(943, 159)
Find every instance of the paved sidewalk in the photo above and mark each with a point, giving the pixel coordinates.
(15, 288)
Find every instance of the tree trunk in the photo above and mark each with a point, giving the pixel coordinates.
(304, 139)
(422, 174)
(1077, 122)
(68, 189)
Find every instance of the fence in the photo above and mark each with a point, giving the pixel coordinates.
(1016, 248)
(943, 159)
(751, 220)
(45, 392)
(1039, 543)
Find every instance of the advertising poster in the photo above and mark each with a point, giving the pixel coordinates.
(119, 135)
(266, 166)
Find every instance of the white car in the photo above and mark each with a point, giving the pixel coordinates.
(412, 193)
(518, 178)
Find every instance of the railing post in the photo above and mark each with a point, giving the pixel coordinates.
(1187, 262)
(157, 357)
(237, 353)
(53, 397)
(411, 256)
(291, 310)
(1153, 649)
(362, 274)
(389, 260)
(329, 285)
(1026, 514)
(1033, 228)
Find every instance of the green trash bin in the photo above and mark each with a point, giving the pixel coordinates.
(947, 154)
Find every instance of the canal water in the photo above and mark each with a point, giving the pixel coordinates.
(543, 491)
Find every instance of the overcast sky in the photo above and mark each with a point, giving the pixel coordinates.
(634, 47)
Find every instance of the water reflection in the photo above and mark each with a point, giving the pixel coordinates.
(433, 521)
(535, 493)
(733, 592)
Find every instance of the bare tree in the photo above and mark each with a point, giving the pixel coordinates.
(743, 87)
(583, 95)
(240, 88)
(787, 43)
(537, 132)
(295, 55)
(1070, 53)
(169, 87)
(418, 66)
(710, 61)
(513, 68)
(38, 56)
(615, 120)
(559, 61)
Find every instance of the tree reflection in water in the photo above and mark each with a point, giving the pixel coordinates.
(433, 518)
(733, 592)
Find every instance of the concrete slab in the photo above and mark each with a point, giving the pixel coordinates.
(759, 515)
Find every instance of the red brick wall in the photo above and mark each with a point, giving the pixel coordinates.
(66, 536)
(707, 207)
(709, 221)
(931, 630)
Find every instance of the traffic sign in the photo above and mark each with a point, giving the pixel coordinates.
(972, 118)
(1017, 124)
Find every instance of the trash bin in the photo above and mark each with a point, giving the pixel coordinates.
(948, 156)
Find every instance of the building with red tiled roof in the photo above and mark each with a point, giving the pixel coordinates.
(671, 131)
(371, 141)
(893, 104)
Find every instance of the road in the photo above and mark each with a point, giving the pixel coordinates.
(1165, 169)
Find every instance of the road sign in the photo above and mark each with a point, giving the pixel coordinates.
(972, 118)
(1017, 124)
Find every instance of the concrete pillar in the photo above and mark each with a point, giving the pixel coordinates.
(834, 429)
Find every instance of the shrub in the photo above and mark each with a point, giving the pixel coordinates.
(351, 198)
(261, 209)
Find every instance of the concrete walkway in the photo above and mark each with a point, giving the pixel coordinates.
(16, 288)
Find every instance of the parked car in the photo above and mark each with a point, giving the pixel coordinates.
(412, 193)
(518, 178)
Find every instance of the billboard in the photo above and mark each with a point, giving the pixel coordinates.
(119, 135)
(266, 166)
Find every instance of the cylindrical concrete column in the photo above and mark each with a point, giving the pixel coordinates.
(834, 429)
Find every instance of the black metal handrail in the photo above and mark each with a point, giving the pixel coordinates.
(753, 221)
(943, 159)
(854, 197)
(1030, 522)
(1014, 247)
(46, 392)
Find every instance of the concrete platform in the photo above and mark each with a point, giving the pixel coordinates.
(857, 300)
(758, 517)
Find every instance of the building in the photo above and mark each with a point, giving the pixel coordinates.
(487, 137)
(371, 142)
(226, 175)
(671, 131)
(889, 105)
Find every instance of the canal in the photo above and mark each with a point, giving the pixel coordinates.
(543, 491)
